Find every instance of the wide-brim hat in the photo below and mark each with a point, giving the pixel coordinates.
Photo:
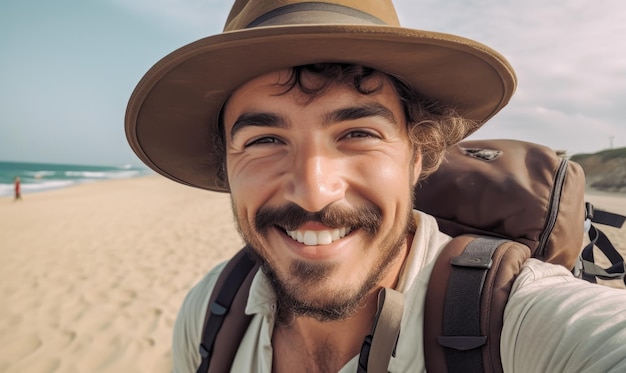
(172, 116)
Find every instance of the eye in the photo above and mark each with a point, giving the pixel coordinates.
(360, 134)
(260, 141)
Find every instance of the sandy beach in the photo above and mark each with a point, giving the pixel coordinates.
(91, 277)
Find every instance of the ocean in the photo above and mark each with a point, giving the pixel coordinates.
(37, 177)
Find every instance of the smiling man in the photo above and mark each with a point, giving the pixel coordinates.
(312, 180)
(319, 119)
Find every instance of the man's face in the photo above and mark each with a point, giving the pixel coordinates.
(321, 189)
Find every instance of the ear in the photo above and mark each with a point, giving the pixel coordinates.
(417, 165)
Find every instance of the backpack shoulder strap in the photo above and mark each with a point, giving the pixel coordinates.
(379, 346)
(587, 268)
(604, 217)
(467, 292)
(227, 322)
(225, 317)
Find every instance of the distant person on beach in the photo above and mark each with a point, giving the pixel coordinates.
(319, 119)
(18, 188)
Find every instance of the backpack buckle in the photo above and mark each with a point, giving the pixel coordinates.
(462, 343)
(588, 211)
(481, 262)
(204, 352)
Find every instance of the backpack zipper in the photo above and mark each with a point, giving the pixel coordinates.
(553, 208)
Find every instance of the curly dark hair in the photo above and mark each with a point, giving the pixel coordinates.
(432, 127)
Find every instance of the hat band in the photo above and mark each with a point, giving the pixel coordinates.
(314, 13)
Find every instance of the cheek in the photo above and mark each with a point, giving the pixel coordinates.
(388, 185)
(252, 185)
(251, 171)
(241, 218)
(390, 173)
(247, 180)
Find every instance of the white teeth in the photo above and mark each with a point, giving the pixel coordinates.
(324, 238)
(313, 238)
(310, 238)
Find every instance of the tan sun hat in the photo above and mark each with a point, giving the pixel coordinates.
(172, 115)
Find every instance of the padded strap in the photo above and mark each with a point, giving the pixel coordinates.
(461, 324)
(507, 263)
(379, 347)
(227, 307)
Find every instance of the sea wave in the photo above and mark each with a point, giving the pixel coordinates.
(8, 189)
(41, 176)
(101, 174)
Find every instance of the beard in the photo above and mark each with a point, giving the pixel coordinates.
(293, 287)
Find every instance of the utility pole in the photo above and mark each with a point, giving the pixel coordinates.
(611, 138)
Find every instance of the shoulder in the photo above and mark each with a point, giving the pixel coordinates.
(198, 296)
(550, 314)
(536, 270)
(190, 320)
(544, 285)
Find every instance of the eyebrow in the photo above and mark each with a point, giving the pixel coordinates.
(367, 110)
(256, 119)
(260, 119)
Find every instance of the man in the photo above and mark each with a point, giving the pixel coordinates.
(319, 119)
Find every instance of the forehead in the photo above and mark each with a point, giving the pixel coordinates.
(272, 90)
(274, 83)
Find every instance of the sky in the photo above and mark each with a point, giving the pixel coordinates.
(68, 67)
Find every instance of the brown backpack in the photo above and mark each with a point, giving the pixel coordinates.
(503, 201)
(532, 202)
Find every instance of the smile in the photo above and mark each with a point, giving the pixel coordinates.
(323, 237)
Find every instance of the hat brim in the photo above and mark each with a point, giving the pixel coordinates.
(172, 115)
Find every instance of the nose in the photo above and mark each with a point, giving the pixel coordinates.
(316, 180)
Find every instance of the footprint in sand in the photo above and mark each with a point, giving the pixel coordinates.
(149, 341)
(152, 322)
(21, 346)
(123, 297)
(64, 338)
(8, 321)
(39, 365)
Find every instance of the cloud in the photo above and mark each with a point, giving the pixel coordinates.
(570, 59)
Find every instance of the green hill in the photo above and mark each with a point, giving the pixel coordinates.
(605, 170)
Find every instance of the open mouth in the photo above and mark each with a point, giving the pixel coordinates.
(322, 237)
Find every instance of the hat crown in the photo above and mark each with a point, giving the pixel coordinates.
(247, 14)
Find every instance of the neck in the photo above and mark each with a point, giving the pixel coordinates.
(312, 346)
(327, 346)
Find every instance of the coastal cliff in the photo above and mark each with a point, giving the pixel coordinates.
(605, 170)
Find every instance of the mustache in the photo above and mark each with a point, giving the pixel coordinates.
(291, 216)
